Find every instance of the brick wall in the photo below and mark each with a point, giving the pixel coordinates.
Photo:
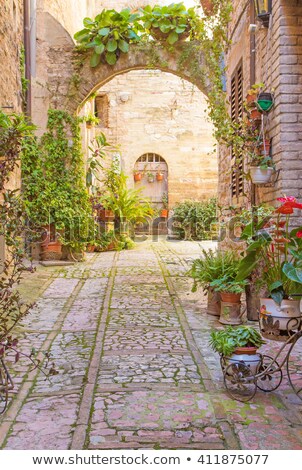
(278, 57)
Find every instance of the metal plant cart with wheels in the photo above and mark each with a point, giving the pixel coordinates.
(6, 384)
(243, 378)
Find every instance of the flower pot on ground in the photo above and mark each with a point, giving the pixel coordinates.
(276, 321)
(105, 214)
(90, 248)
(230, 297)
(51, 250)
(213, 303)
(229, 341)
(260, 175)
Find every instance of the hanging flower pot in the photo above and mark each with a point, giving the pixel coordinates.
(260, 175)
(164, 213)
(251, 99)
(255, 114)
(265, 101)
(150, 177)
(159, 176)
(138, 176)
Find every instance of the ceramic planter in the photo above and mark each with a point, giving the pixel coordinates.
(279, 321)
(230, 313)
(51, 250)
(260, 175)
(246, 355)
(213, 307)
(137, 176)
(265, 101)
(230, 298)
(159, 176)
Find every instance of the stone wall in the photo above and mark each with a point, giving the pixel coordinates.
(278, 59)
(156, 112)
(11, 35)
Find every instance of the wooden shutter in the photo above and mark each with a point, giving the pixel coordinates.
(237, 184)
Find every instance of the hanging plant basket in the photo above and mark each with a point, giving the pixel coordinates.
(138, 176)
(260, 175)
(265, 101)
(151, 178)
(159, 176)
(164, 213)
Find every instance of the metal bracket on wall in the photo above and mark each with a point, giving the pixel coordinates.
(275, 179)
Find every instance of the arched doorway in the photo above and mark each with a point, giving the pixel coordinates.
(154, 182)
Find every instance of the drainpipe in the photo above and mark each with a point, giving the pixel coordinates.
(252, 73)
(26, 12)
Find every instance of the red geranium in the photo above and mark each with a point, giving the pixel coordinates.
(299, 234)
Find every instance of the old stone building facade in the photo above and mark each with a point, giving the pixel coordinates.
(271, 55)
(152, 112)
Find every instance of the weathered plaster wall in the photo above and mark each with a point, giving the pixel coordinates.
(156, 112)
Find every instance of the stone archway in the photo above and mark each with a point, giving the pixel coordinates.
(65, 79)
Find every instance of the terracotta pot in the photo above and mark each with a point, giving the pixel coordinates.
(230, 298)
(137, 176)
(246, 350)
(90, 248)
(160, 36)
(51, 250)
(251, 99)
(159, 176)
(105, 214)
(230, 313)
(164, 213)
(213, 307)
(255, 115)
(88, 125)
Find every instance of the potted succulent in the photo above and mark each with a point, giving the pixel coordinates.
(261, 168)
(277, 249)
(237, 345)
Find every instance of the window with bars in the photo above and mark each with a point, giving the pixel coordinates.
(237, 184)
(151, 158)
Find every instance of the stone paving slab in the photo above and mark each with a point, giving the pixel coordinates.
(126, 334)
(164, 368)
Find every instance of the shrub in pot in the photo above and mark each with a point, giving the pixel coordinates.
(230, 291)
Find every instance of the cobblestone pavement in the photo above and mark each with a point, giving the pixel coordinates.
(130, 341)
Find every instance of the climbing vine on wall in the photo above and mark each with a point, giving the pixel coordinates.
(112, 33)
(54, 180)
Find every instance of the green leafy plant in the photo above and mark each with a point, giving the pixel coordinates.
(54, 189)
(224, 285)
(277, 248)
(91, 119)
(170, 23)
(227, 340)
(109, 35)
(194, 218)
(214, 265)
(100, 149)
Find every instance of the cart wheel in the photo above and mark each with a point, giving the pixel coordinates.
(294, 366)
(3, 390)
(239, 382)
(273, 374)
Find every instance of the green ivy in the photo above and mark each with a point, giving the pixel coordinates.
(53, 174)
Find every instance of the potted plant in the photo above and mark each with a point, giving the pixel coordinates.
(265, 101)
(230, 291)
(237, 345)
(159, 176)
(261, 168)
(169, 23)
(137, 175)
(252, 94)
(164, 211)
(91, 120)
(150, 177)
(277, 249)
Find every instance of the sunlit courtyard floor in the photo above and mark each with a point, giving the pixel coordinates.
(130, 342)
